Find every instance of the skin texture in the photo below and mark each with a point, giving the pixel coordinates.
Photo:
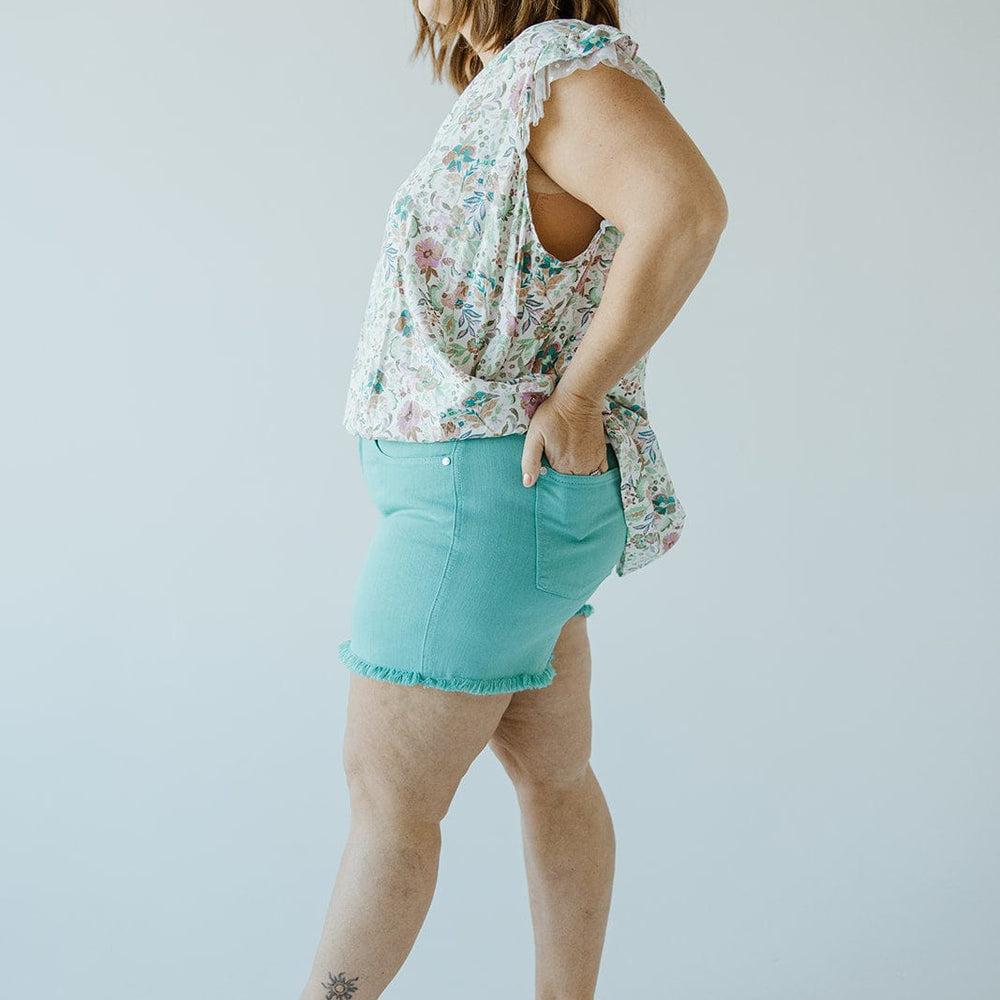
(406, 749)
(405, 752)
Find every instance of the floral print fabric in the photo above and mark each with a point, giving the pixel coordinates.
(470, 322)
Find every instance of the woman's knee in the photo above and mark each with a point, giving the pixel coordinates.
(544, 768)
(410, 794)
(406, 748)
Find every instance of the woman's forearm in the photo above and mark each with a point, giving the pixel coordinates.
(655, 268)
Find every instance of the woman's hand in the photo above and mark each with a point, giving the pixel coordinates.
(569, 430)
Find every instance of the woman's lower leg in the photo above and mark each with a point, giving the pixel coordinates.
(380, 898)
(569, 854)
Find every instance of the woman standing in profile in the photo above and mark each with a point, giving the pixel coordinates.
(497, 394)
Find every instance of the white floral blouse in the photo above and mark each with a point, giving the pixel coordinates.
(470, 321)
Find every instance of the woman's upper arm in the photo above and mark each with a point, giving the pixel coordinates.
(609, 140)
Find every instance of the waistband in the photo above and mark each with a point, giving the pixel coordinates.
(451, 445)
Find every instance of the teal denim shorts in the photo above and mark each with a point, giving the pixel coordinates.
(470, 575)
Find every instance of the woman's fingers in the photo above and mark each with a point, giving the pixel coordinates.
(531, 457)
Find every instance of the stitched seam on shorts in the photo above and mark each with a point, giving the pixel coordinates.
(432, 615)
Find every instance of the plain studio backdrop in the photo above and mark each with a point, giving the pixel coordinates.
(795, 709)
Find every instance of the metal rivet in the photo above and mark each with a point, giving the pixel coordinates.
(542, 471)
(446, 460)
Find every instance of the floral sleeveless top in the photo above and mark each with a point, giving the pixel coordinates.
(470, 322)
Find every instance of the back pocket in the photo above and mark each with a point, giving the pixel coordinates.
(579, 531)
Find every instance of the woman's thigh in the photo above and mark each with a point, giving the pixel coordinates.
(544, 735)
(407, 747)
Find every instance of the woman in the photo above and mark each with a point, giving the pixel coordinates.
(511, 481)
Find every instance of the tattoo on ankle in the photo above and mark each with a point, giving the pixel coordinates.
(340, 986)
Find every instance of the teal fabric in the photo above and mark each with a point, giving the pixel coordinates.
(470, 575)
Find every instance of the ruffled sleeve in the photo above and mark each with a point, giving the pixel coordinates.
(558, 47)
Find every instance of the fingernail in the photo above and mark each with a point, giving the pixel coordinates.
(526, 478)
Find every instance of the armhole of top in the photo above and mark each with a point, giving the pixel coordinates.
(559, 57)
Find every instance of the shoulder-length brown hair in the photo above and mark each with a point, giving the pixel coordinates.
(494, 24)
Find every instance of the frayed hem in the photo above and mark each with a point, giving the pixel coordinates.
(471, 685)
(587, 610)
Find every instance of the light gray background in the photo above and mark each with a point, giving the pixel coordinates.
(795, 710)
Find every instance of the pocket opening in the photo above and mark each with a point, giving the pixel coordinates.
(413, 451)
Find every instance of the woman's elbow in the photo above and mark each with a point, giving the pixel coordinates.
(699, 219)
(698, 210)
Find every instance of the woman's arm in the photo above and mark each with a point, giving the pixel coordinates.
(608, 139)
